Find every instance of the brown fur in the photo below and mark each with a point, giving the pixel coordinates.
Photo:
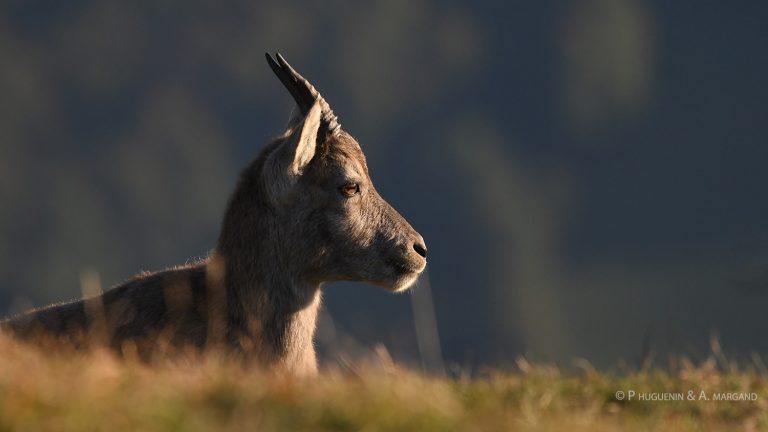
(287, 230)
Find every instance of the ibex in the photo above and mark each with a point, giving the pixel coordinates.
(304, 213)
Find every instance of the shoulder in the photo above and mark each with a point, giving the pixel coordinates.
(190, 277)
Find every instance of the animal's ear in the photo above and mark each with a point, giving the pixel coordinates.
(287, 162)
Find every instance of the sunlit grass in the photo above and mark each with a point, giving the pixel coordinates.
(80, 392)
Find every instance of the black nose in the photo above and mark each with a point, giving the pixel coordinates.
(420, 249)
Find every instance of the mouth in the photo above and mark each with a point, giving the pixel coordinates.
(406, 275)
(402, 267)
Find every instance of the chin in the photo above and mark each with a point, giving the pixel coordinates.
(403, 282)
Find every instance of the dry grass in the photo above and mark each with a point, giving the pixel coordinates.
(44, 391)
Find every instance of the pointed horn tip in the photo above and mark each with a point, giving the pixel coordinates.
(274, 57)
(280, 61)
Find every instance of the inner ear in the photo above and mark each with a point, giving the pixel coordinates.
(286, 164)
(301, 146)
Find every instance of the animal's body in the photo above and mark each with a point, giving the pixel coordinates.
(304, 213)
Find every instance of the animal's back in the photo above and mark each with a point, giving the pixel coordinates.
(168, 307)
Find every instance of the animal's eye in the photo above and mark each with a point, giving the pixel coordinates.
(350, 189)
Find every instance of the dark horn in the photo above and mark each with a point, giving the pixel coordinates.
(302, 91)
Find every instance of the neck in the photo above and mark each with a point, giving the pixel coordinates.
(268, 316)
(271, 310)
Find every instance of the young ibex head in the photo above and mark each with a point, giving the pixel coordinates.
(315, 180)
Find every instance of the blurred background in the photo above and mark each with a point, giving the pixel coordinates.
(589, 175)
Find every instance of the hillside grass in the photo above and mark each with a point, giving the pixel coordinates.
(93, 392)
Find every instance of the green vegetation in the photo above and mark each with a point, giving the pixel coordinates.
(44, 391)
